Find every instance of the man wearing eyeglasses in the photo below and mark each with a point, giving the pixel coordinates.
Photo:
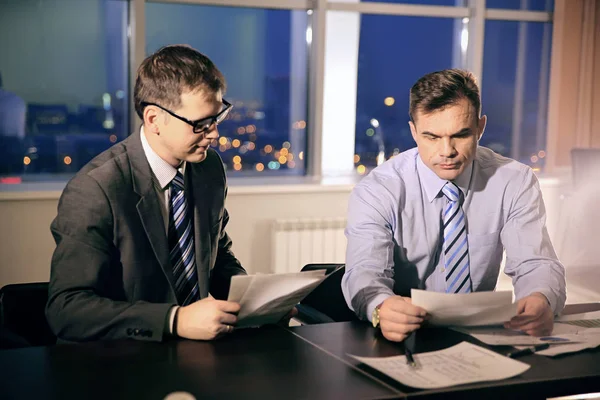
(141, 248)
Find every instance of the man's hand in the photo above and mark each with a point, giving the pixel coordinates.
(206, 319)
(398, 318)
(534, 316)
(285, 321)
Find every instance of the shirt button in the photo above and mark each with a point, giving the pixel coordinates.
(443, 269)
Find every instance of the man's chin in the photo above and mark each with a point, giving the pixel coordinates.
(196, 157)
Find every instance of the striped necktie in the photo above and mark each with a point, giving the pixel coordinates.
(456, 247)
(181, 244)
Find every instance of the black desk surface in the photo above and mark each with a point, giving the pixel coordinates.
(308, 362)
(575, 373)
(266, 363)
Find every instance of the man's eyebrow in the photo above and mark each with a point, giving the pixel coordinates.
(208, 116)
(462, 132)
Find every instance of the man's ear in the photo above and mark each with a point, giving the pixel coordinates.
(481, 126)
(413, 130)
(151, 120)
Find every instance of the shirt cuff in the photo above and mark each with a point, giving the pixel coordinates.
(375, 301)
(171, 319)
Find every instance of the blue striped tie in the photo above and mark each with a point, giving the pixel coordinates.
(456, 248)
(181, 244)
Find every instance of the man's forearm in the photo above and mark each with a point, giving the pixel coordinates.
(364, 290)
(86, 316)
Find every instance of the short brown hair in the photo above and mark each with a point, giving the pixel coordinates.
(438, 90)
(164, 75)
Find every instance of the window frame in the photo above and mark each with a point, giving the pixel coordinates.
(323, 161)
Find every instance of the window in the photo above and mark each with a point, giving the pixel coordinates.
(263, 55)
(513, 68)
(394, 52)
(530, 5)
(420, 2)
(514, 94)
(64, 99)
(70, 91)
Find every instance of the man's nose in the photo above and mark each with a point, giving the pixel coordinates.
(447, 148)
(212, 133)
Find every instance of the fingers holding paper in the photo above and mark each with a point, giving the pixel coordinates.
(227, 318)
(285, 321)
(534, 316)
(398, 318)
(206, 319)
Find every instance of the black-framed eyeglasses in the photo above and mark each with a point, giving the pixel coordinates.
(200, 125)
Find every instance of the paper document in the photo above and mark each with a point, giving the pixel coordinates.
(265, 299)
(471, 309)
(586, 320)
(585, 338)
(565, 338)
(499, 336)
(456, 365)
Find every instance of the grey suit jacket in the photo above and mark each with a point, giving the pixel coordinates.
(111, 276)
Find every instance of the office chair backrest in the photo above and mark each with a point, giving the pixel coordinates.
(329, 268)
(327, 297)
(22, 312)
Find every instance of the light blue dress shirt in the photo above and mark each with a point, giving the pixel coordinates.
(394, 231)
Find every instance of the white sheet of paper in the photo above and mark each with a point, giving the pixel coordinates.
(566, 337)
(499, 336)
(587, 338)
(456, 365)
(575, 317)
(267, 298)
(586, 320)
(471, 309)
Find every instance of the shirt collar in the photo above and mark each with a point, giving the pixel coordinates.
(163, 171)
(433, 184)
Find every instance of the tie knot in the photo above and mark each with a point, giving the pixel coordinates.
(177, 182)
(451, 191)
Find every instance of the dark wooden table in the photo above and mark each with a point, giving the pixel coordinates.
(308, 362)
(548, 377)
(266, 363)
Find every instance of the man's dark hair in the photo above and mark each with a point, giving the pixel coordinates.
(165, 75)
(438, 90)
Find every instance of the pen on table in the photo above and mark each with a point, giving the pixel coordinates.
(528, 350)
(409, 345)
(409, 358)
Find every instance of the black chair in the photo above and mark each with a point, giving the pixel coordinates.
(22, 315)
(326, 302)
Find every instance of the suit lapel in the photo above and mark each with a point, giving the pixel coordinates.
(149, 207)
(198, 184)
